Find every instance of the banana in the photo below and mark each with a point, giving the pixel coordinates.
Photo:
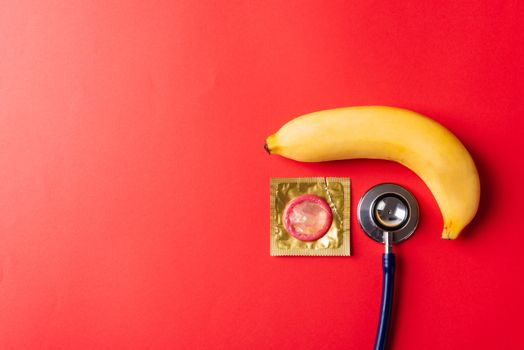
(379, 132)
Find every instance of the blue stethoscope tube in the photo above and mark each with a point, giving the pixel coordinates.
(388, 267)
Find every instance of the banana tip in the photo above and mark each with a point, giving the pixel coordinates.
(266, 147)
(448, 234)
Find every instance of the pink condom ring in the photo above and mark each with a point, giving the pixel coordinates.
(307, 217)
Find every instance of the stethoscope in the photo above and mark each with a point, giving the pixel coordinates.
(388, 214)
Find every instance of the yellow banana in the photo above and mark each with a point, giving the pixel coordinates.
(396, 134)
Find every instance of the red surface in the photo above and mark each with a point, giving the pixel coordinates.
(134, 194)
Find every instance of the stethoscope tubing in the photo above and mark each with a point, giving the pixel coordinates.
(384, 320)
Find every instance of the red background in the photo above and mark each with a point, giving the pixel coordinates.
(134, 190)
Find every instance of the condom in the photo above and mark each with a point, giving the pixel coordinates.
(309, 216)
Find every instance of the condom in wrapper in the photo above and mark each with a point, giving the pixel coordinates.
(309, 216)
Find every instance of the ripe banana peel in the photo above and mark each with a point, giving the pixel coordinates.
(379, 132)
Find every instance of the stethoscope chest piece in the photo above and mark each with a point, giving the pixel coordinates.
(388, 208)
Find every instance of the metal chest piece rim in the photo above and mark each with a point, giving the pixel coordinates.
(375, 222)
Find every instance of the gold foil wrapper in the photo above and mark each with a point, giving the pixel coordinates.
(335, 191)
